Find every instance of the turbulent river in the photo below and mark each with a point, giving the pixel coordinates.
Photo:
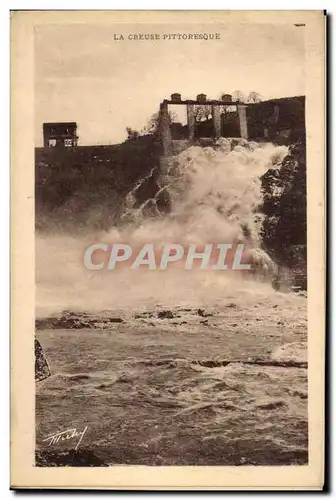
(197, 367)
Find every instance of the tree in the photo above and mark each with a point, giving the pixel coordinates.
(238, 95)
(203, 112)
(131, 133)
(154, 122)
(284, 193)
(254, 97)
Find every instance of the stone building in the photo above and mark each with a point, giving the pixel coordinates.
(60, 134)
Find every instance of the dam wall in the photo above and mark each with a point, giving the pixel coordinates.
(281, 121)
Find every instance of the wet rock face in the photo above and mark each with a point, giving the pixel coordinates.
(42, 370)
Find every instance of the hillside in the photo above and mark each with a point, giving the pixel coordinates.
(86, 186)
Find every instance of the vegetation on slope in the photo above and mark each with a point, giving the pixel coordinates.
(284, 231)
(86, 186)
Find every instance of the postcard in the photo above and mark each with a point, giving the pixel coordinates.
(168, 250)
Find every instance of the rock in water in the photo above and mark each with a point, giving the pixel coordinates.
(42, 369)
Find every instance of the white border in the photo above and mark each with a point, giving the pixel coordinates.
(4, 198)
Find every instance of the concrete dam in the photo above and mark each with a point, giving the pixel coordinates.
(277, 120)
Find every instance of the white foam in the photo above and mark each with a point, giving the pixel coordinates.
(215, 194)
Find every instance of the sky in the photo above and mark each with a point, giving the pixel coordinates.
(85, 73)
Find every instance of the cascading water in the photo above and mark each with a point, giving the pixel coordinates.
(192, 367)
(214, 195)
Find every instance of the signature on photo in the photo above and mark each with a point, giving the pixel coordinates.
(66, 435)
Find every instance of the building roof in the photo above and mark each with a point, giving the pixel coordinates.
(63, 124)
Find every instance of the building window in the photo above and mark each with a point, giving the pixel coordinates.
(67, 143)
(52, 143)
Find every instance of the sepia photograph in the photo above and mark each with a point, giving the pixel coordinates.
(170, 223)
